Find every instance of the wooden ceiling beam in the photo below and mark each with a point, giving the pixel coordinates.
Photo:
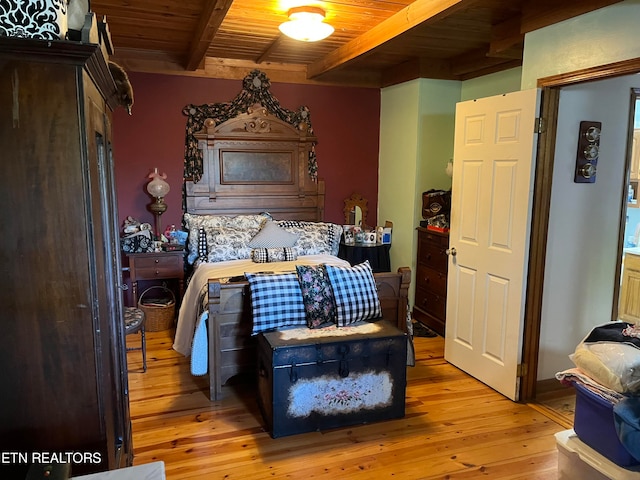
(499, 67)
(542, 13)
(270, 49)
(505, 36)
(473, 61)
(225, 68)
(417, 68)
(418, 12)
(210, 20)
(513, 53)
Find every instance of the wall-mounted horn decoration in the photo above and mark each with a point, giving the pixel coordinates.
(588, 152)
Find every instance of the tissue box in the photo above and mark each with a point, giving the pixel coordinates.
(44, 20)
(383, 235)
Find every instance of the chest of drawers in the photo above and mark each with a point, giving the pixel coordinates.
(431, 279)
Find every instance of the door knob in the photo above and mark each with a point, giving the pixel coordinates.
(451, 251)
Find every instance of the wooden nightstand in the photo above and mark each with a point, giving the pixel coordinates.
(156, 266)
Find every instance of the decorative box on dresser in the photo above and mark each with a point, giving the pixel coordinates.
(62, 351)
(430, 306)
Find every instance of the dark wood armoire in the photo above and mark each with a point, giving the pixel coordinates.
(63, 370)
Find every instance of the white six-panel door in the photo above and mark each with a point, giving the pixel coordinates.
(494, 156)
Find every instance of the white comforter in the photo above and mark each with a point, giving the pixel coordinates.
(191, 303)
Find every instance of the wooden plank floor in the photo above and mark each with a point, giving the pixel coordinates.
(455, 428)
(557, 403)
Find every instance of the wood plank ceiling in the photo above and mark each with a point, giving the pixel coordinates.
(375, 43)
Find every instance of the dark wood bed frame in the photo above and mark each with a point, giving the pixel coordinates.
(252, 163)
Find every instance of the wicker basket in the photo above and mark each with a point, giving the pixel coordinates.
(158, 317)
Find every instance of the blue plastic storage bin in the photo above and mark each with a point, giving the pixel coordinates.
(594, 424)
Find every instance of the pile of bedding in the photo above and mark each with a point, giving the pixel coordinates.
(607, 365)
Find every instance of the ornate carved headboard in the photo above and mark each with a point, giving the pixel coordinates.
(262, 158)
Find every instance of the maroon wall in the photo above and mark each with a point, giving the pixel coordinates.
(346, 122)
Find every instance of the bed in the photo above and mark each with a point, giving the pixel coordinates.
(254, 164)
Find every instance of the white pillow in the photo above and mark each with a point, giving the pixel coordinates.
(316, 238)
(272, 236)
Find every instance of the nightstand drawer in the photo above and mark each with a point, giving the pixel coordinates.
(158, 272)
(158, 265)
(432, 280)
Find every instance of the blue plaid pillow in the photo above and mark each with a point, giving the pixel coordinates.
(355, 292)
(276, 300)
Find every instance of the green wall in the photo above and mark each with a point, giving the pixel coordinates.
(437, 103)
(416, 142)
(399, 140)
(597, 38)
(494, 84)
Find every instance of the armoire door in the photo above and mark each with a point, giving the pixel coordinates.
(114, 387)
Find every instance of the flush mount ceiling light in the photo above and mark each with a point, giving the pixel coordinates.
(306, 24)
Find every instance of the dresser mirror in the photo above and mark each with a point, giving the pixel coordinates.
(355, 210)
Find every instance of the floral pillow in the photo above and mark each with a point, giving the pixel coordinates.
(193, 223)
(227, 243)
(317, 296)
(315, 238)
